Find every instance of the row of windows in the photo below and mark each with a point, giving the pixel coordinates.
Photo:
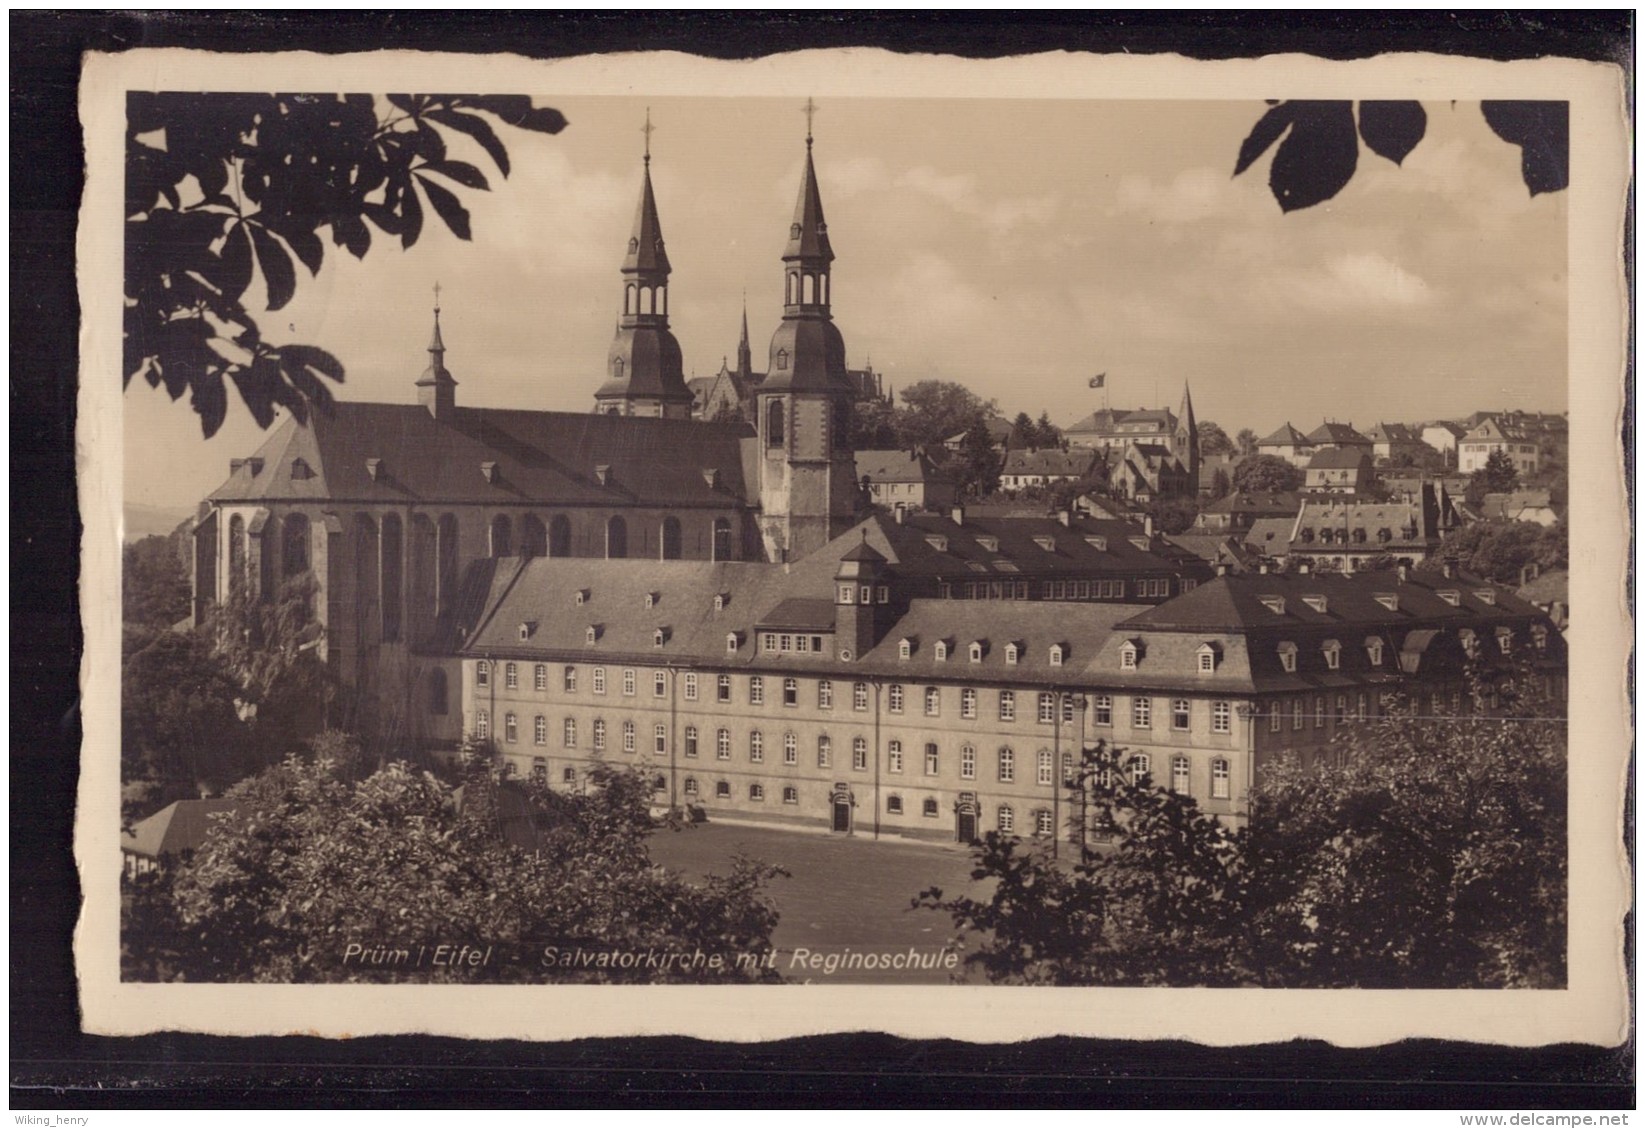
(1360, 707)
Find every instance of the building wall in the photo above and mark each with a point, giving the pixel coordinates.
(1038, 740)
(1472, 454)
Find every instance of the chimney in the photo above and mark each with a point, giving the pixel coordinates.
(1222, 570)
(1148, 527)
(958, 515)
(1066, 517)
(1404, 573)
(235, 464)
(255, 466)
(1446, 570)
(1302, 568)
(900, 512)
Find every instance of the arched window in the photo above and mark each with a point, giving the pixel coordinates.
(722, 539)
(617, 368)
(393, 576)
(446, 577)
(294, 545)
(559, 536)
(502, 536)
(671, 539)
(439, 701)
(236, 554)
(616, 537)
(533, 537)
(775, 419)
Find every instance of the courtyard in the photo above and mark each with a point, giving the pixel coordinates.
(844, 896)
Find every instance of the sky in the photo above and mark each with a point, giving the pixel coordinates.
(1015, 246)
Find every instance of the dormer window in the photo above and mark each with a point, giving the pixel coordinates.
(1373, 650)
(1389, 600)
(1057, 653)
(1539, 636)
(651, 599)
(1288, 657)
(733, 640)
(580, 597)
(991, 544)
(527, 629)
(374, 468)
(905, 648)
(1098, 543)
(782, 359)
(592, 635)
(1505, 639)
(1275, 604)
(1451, 596)
(1333, 654)
(659, 637)
(719, 601)
(1139, 542)
(1046, 542)
(976, 652)
(1486, 596)
(1128, 655)
(1318, 603)
(488, 471)
(300, 470)
(1206, 658)
(1011, 653)
(940, 651)
(938, 543)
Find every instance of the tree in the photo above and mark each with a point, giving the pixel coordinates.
(1499, 551)
(1497, 476)
(1247, 441)
(1047, 434)
(1173, 515)
(154, 587)
(935, 410)
(874, 426)
(311, 864)
(179, 728)
(1429, 852)
(977, 466)
(1024, 434)
(1267, 474)
(222, 186)
(1221, 484)
(1320, 149)
(1214, 441)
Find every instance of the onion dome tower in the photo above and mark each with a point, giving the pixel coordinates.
(645, 375)
(807, 492)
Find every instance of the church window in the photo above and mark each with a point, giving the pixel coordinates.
(294, 549)
(782, 359)
(438, 698)
(671, 539)
(616, 537)
(617, 368)
(722, 539)
(775, 419)
(502, 541)
(533, 537)
(559, 536)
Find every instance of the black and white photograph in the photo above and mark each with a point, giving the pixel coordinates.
(858, 535)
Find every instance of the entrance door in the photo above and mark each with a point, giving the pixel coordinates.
(967, 831)
(842, 816)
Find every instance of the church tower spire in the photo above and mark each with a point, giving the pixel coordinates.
(808, 494)
(745, 353)
(645, 373)
(436, 389)
(1186, 440)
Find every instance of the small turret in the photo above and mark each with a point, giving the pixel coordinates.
(436, 389)
(859, 590)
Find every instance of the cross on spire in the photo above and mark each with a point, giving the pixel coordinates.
(810, 112)
(648, 129)
(436, 298)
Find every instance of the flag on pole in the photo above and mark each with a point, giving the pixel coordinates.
(1096, 381)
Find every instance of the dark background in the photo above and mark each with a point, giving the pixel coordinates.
(54, 1066)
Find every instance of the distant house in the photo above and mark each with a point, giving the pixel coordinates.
(1220, 550)
(1331, 434)
(1550, 591)
(904, 478)
(1348, 534)
(999, 431)
(1491, 435)
(1389, 441)
(1338, 470)
(1149, 471)
(1209, 468)
(1111, 429)
(174, 830)
(1520, 505)
(1442, 436)
(1407, 485)
(1025, 468)
(1239, 511)
(1270, 536)
(1287, 443)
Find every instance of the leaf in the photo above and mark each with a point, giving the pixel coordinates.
(307, 244)
(278, 272)
(307, 356)
(477, 128)
(516, 110)
(411, 211)
(1318, 157)
(1392, 129)
(1542, 130)
(460, 171)
(1268, 130)
(210, 400)
(351, 233)
(234, 273)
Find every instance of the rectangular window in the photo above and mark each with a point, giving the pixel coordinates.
(791, 749)
(1102, 709)
(539, 731)
(893, 698)
(825, 751)
(791, 692)
(1045, 768)
(660, 739)
(859, 695)
(568, 775)
(1179, 713)
(893, 756)
(1008, 766)
(1297, 708)
(599, 679)
(599, 735)
(968, 704)
(691, 687)
(756, 747)
(825, 695)
(1142, 713)
(933, 702)
(691, 741)
(568, 679)
(1219, 779)
(511, 729)
(1008, 705)
(1319, 711)
(482, 673)
(511, 676)
(1362, 704)
(756, 690)
(628, 737)
(722, 745)
(1047, 709)
(931, 759)
(1276, 716)
(724, 687)
(659, 684)
(541, 677)
(1181, 779)
(628, 683)
(1342, 708)
(569, 732)
(859, 753)
(1221, 717)
(968, 763)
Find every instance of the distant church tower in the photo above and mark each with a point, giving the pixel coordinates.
(436, 388)
(807, 492)
(645, 375)
(1185, 442)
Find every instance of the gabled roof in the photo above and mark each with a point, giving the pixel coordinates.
(897, 466)
(1406, 523)
(1392, 433)
(1107, 421)
(542, 458)
(1271, 535)
(1052, 462)
(176, 828)
(1255, 502)
(1286, 436)
(1339, 458)
(1329, 432)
